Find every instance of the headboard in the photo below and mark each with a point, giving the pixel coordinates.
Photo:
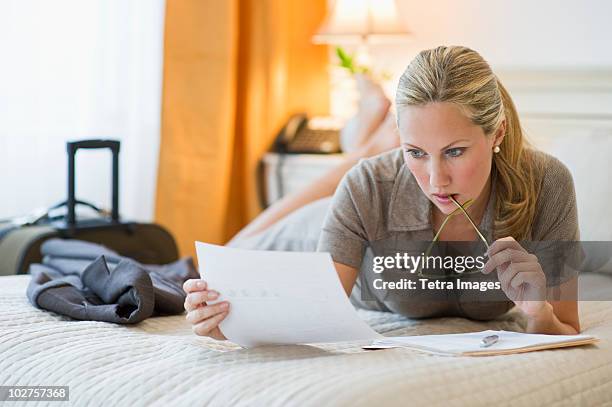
(569, 115)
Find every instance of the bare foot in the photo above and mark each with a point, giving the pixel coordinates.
(373, 107)
(385, 138)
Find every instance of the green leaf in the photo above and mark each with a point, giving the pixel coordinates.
(346, 60)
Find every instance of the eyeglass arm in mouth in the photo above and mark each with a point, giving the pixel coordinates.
(469, 219)
(462, 209)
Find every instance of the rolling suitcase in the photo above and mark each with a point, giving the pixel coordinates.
(146, 243)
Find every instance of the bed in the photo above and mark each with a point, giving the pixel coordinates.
(161, 362)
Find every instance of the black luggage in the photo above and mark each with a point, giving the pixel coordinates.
(146, 243)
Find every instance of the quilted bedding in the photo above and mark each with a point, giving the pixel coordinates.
(161, 362)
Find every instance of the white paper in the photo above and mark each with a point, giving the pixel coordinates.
(280, 297)
(456, 344)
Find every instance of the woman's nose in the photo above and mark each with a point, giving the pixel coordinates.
(438, 176)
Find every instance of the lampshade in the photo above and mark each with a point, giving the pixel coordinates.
(351, 21)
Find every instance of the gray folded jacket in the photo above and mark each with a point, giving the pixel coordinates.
(87, 281)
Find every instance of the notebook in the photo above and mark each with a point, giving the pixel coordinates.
(468, 344)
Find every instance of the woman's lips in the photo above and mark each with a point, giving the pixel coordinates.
(444, 198)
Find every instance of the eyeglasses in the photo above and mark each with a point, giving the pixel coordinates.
(460, 209)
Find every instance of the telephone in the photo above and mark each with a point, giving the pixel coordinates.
(319, 135)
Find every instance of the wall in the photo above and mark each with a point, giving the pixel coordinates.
(75, 69)
(518, 35)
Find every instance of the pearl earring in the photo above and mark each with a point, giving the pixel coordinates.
(496, 149)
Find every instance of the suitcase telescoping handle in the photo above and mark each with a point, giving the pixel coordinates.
(72, 147)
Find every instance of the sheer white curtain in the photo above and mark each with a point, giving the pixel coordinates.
(74, 69)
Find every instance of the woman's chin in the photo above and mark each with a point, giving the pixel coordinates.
(445, 209)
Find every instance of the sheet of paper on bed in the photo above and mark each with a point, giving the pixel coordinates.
(468, 344)
(280, 297)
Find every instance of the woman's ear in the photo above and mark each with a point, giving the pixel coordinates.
(500, 133)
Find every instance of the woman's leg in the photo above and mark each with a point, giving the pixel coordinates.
(320, 188)
(371, 111)
(384, 138)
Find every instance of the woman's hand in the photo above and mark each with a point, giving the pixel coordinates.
(520, 275)
(204, 318)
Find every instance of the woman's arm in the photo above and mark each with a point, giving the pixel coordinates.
(551, 319)
(558, 317)
(524, 282)
(347, 275)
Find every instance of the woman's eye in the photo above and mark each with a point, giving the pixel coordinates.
(415, 153)
(455, 152)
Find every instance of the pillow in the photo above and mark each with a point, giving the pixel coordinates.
(588, 159)
(587, 156)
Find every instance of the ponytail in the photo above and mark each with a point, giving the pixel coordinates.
(516, 186)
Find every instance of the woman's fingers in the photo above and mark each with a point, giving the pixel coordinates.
(203, 317)
(200, 314)
(514, 278)
(194, 284)
(209, 327)
(506, 256)
(510, 272)
(530, 275)
(503, 244)
(195, 299)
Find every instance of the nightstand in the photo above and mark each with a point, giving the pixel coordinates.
(286, 173)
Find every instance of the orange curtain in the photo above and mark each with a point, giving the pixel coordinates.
(234, 71)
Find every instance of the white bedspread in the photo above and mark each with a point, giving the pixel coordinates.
(160, 361)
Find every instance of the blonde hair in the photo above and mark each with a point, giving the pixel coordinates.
(461, 76)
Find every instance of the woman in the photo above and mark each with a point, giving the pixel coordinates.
(460, 137)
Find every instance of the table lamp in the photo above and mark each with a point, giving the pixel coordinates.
(361, 22)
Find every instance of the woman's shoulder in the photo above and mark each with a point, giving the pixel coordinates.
(556, 211)
(370, 184)
(382, 167)
(549, 171)
(360, 204)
